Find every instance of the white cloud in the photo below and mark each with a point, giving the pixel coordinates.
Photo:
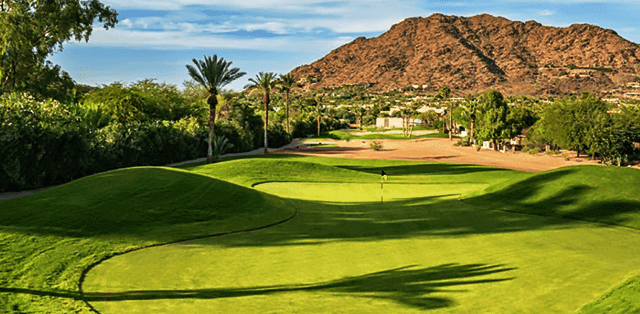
(547, 13)
(184, 40)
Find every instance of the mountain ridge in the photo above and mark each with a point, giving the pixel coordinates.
(471, 54)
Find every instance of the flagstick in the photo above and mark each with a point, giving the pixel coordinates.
(381, 190)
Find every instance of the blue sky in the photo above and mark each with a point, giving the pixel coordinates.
(157, 38)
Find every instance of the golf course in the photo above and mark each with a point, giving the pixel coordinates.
(300, 234)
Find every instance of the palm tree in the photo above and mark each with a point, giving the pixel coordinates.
(286, 83)
(318, 110)
(445, 92)
(264, 82)
(413, 112)
(471, 108)
(213, 74)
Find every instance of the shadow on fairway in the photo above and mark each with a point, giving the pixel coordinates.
(572, 193)
(322, 222)
(425, 169)
(407, 285)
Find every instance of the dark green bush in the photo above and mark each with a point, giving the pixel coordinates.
(32, 156)
(277, 135)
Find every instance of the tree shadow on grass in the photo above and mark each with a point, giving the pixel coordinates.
(425, 169)
(407, 285)
(563, 193)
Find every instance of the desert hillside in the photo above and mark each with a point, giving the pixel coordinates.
(471, 54)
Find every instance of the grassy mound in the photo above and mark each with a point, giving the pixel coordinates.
(48, 238)
(598, 194)
(421, 250)
(273, 168)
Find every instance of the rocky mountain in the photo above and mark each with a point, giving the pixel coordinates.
(471, 54)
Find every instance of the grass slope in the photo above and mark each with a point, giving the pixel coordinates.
(47, 239)
(423, 249)
(600, 194)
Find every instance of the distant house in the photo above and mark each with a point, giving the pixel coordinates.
(392, 122)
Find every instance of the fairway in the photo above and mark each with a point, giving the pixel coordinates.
(346, 252)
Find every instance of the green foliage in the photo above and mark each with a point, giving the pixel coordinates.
(464, 141)
(534, 151)
(492, 122)
(375, 145)
(32, 30)
(142, 101)
(278, 135)
(22, 109)
(569, 123)
(36, 155)
(636, 79)
(264, 82)
(123, 104)
(220, 146)
(610, 138)
(93, 115)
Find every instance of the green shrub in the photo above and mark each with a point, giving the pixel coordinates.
(464, 141)
(565, 156)
(375, 145)
(534, 151)
(277, 135)
(143, 101)
(21, 109)
(220, 146)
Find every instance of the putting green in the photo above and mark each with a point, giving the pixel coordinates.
(422, 249)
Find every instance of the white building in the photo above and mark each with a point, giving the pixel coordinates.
(393, 122)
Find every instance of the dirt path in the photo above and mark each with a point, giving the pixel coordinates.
(443, 150)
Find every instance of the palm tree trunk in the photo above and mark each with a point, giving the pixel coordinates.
(212, 101)
(287, 99)
(411, 129)
(318, 125)
(265, 99)
(473, 123)
(450, 124)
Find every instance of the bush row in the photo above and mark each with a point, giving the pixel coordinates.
(34, 156)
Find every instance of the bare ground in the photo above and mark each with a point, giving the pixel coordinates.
(441, 150)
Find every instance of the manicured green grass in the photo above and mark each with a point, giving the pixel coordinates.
(340, 135)
(599, 194)
(423, 249)
(47, 239)
(323, 145)
(375, 129)
(436, 243)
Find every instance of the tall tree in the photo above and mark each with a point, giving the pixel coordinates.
(568, 121)
(493, 117)
(31, 30)
(445, 92)
(213, 74)
(264, 82)
(471, 108)
(286, 83)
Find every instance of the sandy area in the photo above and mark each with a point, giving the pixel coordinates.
(442, 150)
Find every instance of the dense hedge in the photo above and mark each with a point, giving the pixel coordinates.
(44, 143)
(37, 156)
